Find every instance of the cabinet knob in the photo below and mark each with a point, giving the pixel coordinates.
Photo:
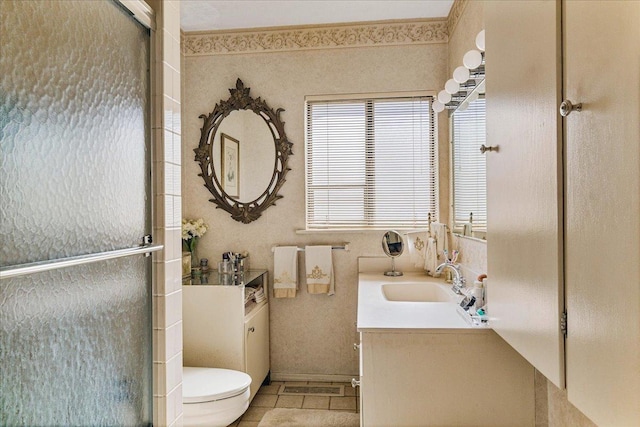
(252, 329)
(566, 107)
(356, 346)
(484, 148)
(355, 383)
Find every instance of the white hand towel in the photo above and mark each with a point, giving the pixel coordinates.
(431, 258)
(285, 271)
(439, 232)
(417, 243)
(319, 270)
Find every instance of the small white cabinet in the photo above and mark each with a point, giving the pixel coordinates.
(221, 331)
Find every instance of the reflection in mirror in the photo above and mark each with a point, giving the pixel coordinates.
(393, 246)
(468, 133)
(245, 143)
(243, 154)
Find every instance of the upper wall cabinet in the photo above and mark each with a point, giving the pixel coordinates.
(524, 180)
(565, 232)
(602, 209)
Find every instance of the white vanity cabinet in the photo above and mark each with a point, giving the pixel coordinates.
(221, 331)
(454, 378)
(564, 195)
(423, 364)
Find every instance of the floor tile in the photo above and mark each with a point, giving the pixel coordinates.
(277, 382)
(295, 383)
(316, 402)
(343, 403)
(320, 383)
(248, 423)
(289, 402)
(269, 389)
(265, 400)
(254, 413)
(350, 391)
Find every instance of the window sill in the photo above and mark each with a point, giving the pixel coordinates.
(357, 230)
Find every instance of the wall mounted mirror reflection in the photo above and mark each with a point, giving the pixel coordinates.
(243, 154)
(393, 246)
(469, 178)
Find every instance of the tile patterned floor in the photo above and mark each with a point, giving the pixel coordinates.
(268, 398)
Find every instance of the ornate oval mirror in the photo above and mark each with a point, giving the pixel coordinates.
(243, 154)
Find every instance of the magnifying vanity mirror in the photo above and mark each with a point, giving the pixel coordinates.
(243, 154)
(393, 246)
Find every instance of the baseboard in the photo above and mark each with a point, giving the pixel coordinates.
(325, 378)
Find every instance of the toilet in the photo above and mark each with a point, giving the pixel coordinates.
(213, 397)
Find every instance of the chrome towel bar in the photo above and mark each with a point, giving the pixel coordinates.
(344, 247)
(40, 266)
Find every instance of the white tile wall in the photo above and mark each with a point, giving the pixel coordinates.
(167, 293)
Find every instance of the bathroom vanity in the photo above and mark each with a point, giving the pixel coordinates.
(220, 330)
(422, 363)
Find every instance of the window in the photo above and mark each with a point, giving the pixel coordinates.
(469, 166)
(371, 163)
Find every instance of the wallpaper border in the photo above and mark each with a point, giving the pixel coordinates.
(334, 36)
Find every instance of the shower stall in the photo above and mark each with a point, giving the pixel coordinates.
(75, 215)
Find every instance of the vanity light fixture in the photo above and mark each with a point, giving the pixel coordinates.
(452, 86)
(461, 74)
(444, 97)
(465, 80)
(480, 41)
(437, 106)
(472, 59)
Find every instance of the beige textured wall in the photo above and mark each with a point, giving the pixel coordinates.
(311, 334)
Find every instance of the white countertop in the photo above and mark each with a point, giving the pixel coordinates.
(376, 313)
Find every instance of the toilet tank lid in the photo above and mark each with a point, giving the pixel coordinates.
(209, 384)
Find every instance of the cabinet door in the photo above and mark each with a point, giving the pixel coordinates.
(524, 180)
(602, 70)
(256, 332)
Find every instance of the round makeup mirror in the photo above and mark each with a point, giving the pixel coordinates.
(393, 246)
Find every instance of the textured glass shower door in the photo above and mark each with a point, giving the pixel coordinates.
(75, 342)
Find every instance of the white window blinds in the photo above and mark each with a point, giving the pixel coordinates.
(469, 166)
(371, 163)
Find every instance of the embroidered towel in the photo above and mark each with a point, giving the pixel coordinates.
(417, 242)
(431, 258)
(285, 271)
(319, 270)
(439, 232)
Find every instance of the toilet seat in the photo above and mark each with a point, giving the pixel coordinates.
(201, 385)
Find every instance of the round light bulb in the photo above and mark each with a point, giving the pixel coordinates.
(480, 41)
(452, 86)
(461, 74)
(444, 97)
(472, 59)
(437, 106)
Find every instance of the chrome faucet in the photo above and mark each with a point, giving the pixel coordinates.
(458, 280)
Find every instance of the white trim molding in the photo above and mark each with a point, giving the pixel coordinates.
(382, 33)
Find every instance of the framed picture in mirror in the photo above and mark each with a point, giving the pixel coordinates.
(230, 165)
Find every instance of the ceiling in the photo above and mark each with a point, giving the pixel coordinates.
(204, 15)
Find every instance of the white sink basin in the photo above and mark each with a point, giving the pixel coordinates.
(416, 292)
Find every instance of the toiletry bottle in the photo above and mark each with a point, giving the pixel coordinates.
(478, 292)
